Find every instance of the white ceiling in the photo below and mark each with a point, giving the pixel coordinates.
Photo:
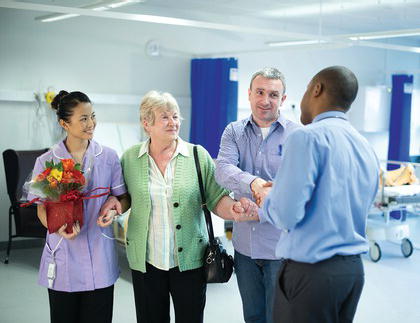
(335, 15)
(246, 25)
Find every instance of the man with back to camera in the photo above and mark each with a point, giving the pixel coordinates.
(249, 156)
(321, 198)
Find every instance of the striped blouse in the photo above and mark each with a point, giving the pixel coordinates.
(161, 247)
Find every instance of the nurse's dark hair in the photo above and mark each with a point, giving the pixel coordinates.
(65, 102)
(340, 84)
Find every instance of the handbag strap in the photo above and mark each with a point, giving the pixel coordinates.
(203, 197)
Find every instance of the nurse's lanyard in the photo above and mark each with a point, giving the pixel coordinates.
(52, 265)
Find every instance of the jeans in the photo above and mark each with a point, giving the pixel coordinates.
(256, 281)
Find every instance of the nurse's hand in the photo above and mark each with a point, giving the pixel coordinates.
(106, 219)
(70, 236)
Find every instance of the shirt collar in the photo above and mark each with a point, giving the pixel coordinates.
(280, 120)
(331, 114)
(181, 148)
(60, 150)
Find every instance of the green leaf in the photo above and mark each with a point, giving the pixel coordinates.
(49, 164)
(77, 167)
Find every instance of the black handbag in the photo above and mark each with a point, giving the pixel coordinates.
(218, 265)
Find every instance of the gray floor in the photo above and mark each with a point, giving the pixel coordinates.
(391, 293)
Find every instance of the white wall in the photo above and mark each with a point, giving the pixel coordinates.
(76, 55)
(371, 66)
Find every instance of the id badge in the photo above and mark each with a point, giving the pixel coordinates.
(51, 271)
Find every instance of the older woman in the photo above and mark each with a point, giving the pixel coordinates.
(166, 235)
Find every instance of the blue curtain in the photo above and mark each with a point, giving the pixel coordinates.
(400, 121)
(214, 100)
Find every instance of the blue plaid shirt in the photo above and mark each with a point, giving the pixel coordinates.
(243, 156)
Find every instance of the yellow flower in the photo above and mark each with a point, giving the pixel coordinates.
(49, 96)
(57, 174)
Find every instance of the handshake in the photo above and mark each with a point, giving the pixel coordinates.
(247, 210)
(260, 189)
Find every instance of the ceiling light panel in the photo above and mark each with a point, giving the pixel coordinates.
(97, 6)
(331, 7)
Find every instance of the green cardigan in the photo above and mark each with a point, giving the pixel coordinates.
(190, 234)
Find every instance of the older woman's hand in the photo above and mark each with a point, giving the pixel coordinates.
(107, 219)
(109, 210)
(245, 210)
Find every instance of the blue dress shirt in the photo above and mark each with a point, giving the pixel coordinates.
(321, 196)
(243, 156)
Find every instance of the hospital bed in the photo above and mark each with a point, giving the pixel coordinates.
(387, 219)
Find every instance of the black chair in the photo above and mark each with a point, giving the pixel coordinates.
(18, 165)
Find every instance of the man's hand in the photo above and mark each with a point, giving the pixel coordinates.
(109, 209)
(259, 197)
(245, 210)
(260, 188)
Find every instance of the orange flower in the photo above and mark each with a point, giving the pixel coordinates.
(68, 164)
(53, 181)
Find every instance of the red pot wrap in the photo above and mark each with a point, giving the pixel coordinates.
(68, 210)
(60, 213)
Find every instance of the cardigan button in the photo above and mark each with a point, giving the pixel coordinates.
(178, 226)
(176, 204)
(180, 249)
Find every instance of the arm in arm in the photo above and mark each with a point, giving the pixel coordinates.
(114, 205)
(117, 203)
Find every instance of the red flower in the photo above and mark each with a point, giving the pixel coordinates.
(78, 177)
(67, 177)
(68, 164)
(40, 177)
(70, 196)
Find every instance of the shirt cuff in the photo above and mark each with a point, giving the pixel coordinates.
(118, 190)
(246, 181)
(262, 216)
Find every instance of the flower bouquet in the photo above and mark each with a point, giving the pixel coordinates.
(60, 187)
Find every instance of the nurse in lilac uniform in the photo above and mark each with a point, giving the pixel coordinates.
(86, 264)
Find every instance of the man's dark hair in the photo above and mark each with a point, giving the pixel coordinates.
(340, 84)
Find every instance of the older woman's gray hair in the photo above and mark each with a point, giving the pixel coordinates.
(155, 101)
